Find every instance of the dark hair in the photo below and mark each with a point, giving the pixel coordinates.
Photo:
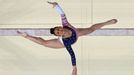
(52, 30)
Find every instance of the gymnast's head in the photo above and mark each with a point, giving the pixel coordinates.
(57, 31)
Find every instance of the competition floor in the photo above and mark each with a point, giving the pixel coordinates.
(96, 55)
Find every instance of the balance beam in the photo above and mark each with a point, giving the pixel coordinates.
(45, 32)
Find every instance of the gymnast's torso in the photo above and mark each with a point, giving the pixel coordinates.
(69, 40)
(72, 39)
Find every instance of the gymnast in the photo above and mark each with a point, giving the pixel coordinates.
(67, 35)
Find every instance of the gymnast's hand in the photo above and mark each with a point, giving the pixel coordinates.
(53, 3)
(23, 34)
(74, 72)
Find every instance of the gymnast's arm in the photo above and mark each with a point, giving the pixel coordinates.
(73, 59)
(58, 8)
(61, 12)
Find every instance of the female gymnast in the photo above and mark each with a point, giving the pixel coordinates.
(67, 34)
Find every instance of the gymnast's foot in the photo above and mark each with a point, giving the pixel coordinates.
(112, 21)
(23, 34)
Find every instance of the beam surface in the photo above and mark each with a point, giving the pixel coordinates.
(45, 32)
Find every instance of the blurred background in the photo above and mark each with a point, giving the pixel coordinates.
(96, 55)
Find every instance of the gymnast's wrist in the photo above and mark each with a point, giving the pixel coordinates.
(74, 66)
(55, 4)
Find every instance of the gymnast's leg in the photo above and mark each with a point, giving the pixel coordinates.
(53, 43)
(85, 31)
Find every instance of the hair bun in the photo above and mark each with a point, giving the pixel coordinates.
(52, 30)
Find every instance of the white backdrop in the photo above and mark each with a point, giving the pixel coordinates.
(95, 55)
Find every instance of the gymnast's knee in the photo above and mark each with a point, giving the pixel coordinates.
(92, 28)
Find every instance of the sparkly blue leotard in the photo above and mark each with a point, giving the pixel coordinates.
(72, 39)
(68, 42)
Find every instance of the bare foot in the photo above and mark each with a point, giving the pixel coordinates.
(23, 34)
(112, 21)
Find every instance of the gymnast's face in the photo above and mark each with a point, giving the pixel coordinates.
(59, 31)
